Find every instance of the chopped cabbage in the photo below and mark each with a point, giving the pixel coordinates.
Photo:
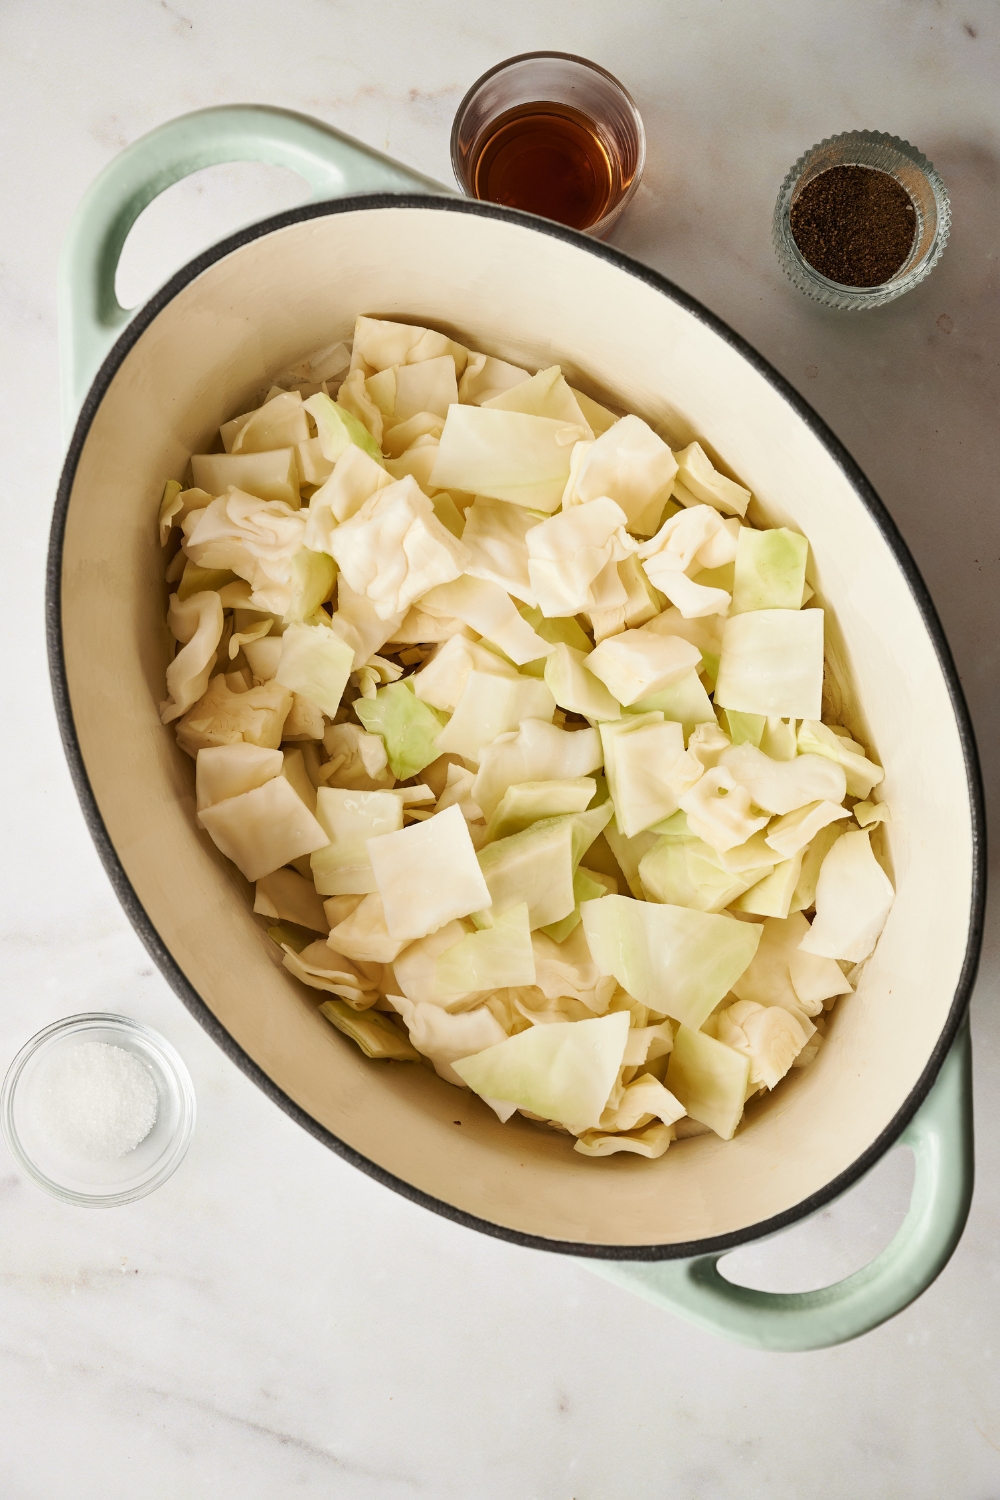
(689, 872)
(374, 1033)
(576, 689)
(538, 751)
(263, 829)
(642, 603)
(493, 959)
(678, 962)
(485, 377)
(446, 1038)
(254, 538)
(812, 861)
(322, 969)
(485, 607)
(350, 818)
(394, 548)
(494, 534)
(853, 898)
(772, 663)
(633, 467)
(744, 729)
(270, 476)
(709, 1079)
(491, 705)
(363, 935)
(427, 874)
(772, 896)
(684, 701)
(197, 624)
(355, 478)
(561, 1072)
(787, 835)
(409, 727)
(697, 475)
(817, 739)
(641, 761)
(224, 771)
(781, 786)
(536, 867)
(718, 810)
(768, 1035)
(358, 761)
(222, 717)
(528, 802)
(641, 662)
(544, 395)
(690, 540)
(588, 885)
(287, 896)
(313, 575)
(569, 555)
(770, 569)
(867, 813)
(379, 344)
(279, 423)
(505, 455)
(316, 663)
(441, 679)
(565, 631)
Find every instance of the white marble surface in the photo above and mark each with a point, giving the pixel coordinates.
(271, 1323)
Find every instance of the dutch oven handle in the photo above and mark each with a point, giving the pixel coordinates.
(941, 1140)
(90, 315)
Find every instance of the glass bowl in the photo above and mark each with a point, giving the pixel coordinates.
(74, 1178)
(554, 78)
(866, 148)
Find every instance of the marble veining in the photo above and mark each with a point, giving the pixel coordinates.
(272, 1323)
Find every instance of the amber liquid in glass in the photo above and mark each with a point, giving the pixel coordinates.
(546, 159)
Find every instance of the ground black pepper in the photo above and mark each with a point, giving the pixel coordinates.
(855, 225)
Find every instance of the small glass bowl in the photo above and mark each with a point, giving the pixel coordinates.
(555, 78)
(866, 148)
(76, 1179)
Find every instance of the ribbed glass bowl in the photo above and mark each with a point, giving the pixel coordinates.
(76, 1179)
(912, 170)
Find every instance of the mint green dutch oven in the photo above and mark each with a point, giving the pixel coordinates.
(151, 385)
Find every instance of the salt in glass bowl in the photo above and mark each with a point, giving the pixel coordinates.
(887, 153)
(76, 1178)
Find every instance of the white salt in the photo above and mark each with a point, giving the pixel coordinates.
(96, 1100)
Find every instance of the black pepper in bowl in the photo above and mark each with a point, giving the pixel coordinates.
(855, 225)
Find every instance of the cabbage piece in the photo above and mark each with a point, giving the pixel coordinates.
(254, 538)
(689, 872)
(642, 603)
(638, 663)
(404, 436)
(379, 344)
(358, 624)
(633, 467)
(782, 786)
(779, 739)
(222, 717)
(263, 829)
(867, 813)
(444, 1037)
(305, 720)
(687, 541)
(197, 623)
(628, 854)
(587, 886)
(394, 549)
(315, 662)
(563, 631)
(853, 898)
(353, 398)
(818, 739)
(314, 469)
(538, 751)
(408, 727)
(494, 534)
(599, 418)
(536, 867)
(355, 478)
(704, 633)
(565, 969)
(677, 961)
(543, 395)
(576, 689)
(339, 429)
(442, 677)
(373, 1032)
(415, 969)
(685, 702)
(427, 874)
(651, 1142)
(770, 569)
(643, 1097)
(171, 506)
(568, 554)
(772, 896)
(531, 801)
(458, 793)
(709, 1079)
(489, 610)
(194, 580)
(485, 376)
(698, 476)
(767, 979)
(295, 771)
(562, 1072)
(350, 819)
(322, 969)
(224, 771)
(358, 760)
(744, 729)
(718, 810)
(772, 663)
(640, 757)
(490, 706)
(506, 455)
(493, 959)
(812, 861)
(270, 476)
(768, 1035)
(313, 575)
(279, 423)
(363, 935)
(285, 895)
(787, 835)
(430, 386)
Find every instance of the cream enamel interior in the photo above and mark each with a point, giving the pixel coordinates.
(534, 299)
